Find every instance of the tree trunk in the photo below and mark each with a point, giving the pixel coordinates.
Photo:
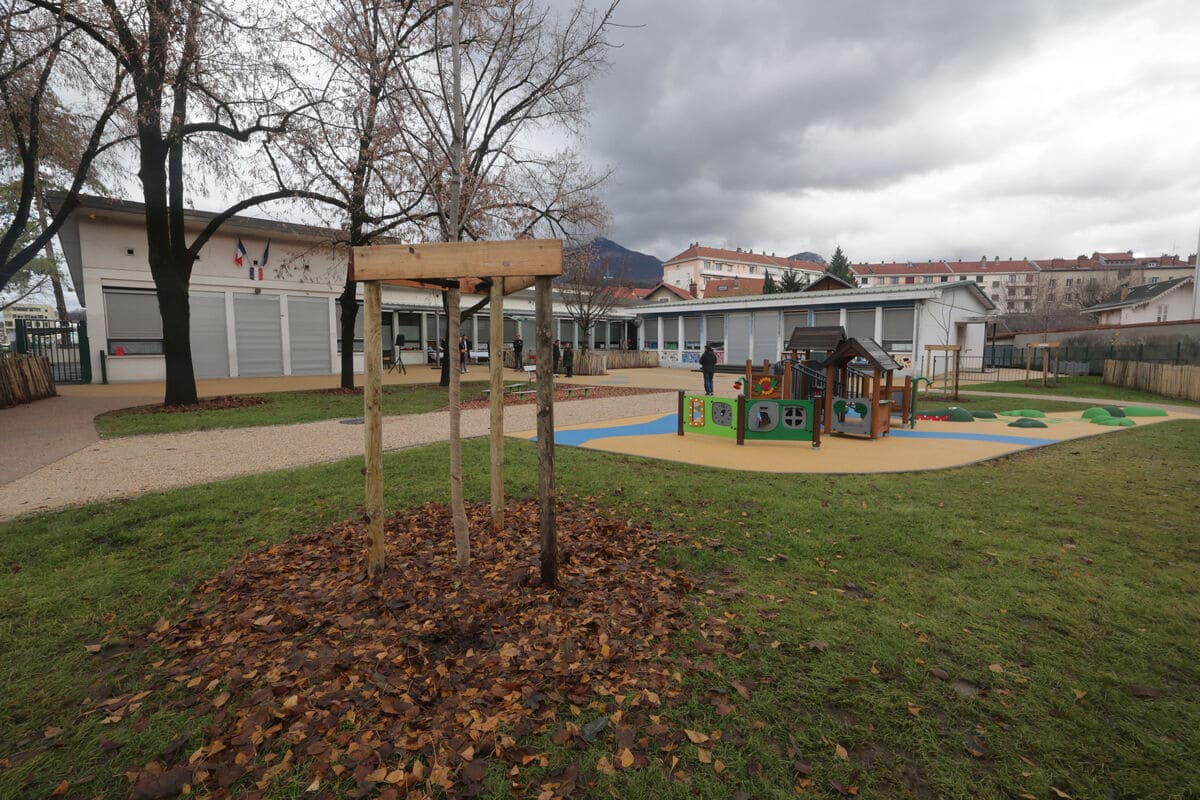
(348, 302)
(462, 536)
(548, 527)
(177, 343)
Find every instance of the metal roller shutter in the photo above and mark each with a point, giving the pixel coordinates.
(308, 328)
(259, 334)
(766, 336)
(210, 338)
(737, 338)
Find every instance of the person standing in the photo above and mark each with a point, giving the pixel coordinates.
(464, 352)
(557, 355)
(518, 346)
(568, 359)
(708, 368)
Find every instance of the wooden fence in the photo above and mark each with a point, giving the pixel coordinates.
(630, 359)
(1165, 379)
(24, 378)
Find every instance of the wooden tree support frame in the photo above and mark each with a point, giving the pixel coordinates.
(951, 377)
(509, 266)
(1049, 362)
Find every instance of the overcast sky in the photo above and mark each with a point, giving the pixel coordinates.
(903, 130)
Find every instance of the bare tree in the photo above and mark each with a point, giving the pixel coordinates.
(46, 138)
(343, 147)
(587, 289)
(202, 84)
(523, 70)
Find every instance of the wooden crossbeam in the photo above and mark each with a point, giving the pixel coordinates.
(519, 258)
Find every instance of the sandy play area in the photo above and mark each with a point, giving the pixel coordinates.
(931, 445)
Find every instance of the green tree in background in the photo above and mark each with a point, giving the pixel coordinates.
(769, 285)
(792, 282)
(839, 265)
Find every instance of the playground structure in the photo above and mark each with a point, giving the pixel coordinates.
(741, 418)
(869, 397)
(949, 372)
(851, 390)
(1048, 352)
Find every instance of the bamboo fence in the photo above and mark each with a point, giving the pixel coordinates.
(1168, 380)
(24, 378)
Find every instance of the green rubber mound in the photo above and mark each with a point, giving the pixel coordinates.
(1023, 412)
(1025, 422)
(1096, 411)
(983, 414)
(1114, 422)
(1144, 411)
(1114, 411)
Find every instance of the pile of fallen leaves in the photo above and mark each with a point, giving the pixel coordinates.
(565, 392)
(423, 683)
(206, 404)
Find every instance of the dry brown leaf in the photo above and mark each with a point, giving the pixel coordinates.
(995, 668)
(605, 767)
(221, 699)
(696, 737)
(915, 710)
(625, 759)
(1079, 693)
(1060, 793)
(705, 756)
(841, 753)
(61, 789)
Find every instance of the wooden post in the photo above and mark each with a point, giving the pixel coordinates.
(828, 414)
(741, 417)
(785, 390)
(545, 432)
(818, 404)
(680, 423)
(373, 425)
(496, 400)
(462, 535)
(957, 370)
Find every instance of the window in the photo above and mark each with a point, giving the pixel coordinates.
(1054, 281)
(1070, 281)
(824, 319)
(864, 281)
(860, 324)
(945, 278)
(995, 284)
(910, 279)
(134, 323)
(691, 333)
(897, 330)
(1160, 313)
(651, 337)
(714, 330)
(1153, 281)
(979, 279)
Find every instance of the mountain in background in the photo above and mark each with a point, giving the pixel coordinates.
(635, 267)
(806, 256)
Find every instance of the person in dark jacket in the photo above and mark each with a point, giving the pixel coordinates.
(518, 346)
(557, 355)
(568, 359)
(708, 368)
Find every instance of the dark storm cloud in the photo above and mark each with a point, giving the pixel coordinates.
(713, 105)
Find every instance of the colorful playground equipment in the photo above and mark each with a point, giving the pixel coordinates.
(860, 404)
(740, 418)
(827, 383)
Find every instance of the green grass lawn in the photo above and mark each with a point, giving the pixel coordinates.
(1042, 586)
(282, 408)
(1091, 386)
(933, 400)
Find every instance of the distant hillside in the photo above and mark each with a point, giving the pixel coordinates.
(806, 256)
(635, 267)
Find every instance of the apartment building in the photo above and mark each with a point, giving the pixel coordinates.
(694, 268)
(1024, 285)
(24, 311)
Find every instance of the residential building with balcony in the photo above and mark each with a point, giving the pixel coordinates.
(699, 266)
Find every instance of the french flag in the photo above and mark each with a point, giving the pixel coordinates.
(239, 255)
(262, 264)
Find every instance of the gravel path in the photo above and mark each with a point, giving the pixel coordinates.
(134, 465)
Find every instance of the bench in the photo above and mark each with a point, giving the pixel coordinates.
(571, 390)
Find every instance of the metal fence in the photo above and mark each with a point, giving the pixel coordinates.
(1088, 359)
(65, 344)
